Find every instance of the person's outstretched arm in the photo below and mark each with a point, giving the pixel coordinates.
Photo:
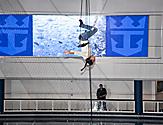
(73, 52)
(84, 66)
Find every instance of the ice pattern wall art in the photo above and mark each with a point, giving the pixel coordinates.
(54, 34)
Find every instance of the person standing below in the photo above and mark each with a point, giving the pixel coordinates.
(101, 96)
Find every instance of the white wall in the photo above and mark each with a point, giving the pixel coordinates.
(67, 89)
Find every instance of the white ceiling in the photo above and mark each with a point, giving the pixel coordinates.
(74, 6)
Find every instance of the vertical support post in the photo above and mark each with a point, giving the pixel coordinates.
(138, 92)
(20, 105)
(69, 105)
(2, 95)
(52, 105)
(36, 105)
(139, 123)
(157, 103)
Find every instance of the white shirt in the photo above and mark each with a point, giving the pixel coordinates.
(85, 51)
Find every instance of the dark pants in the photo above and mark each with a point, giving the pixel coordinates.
(101, 105)
(87, 34)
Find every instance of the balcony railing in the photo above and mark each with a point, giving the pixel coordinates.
(66, 105)
(153, 106)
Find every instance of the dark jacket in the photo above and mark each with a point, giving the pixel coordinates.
(101, 93)
(89, 61)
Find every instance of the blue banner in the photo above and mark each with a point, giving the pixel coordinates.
(51, 35)
(16, 35)
(127, 36)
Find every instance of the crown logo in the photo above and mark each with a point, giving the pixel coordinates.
(127, 35)
(13, 21)
(15, 30)
(127, 23)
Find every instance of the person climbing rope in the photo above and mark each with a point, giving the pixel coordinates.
(84, 45)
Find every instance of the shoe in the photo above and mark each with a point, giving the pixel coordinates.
(81, 23)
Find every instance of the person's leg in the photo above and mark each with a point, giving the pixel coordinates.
(86, 35)
(82, 25)
(104, 106)
(88, 27)
(99, 105)
(91, 32)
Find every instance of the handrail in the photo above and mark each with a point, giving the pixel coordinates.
(152, 100)
(55, 104)
(152, 106)
(65, 99)
(79, 105)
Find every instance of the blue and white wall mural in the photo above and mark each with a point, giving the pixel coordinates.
(127, 36)
(50, 35)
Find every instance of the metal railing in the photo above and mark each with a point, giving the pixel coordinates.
(79, 105)
(69, 105)
(153, 106)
